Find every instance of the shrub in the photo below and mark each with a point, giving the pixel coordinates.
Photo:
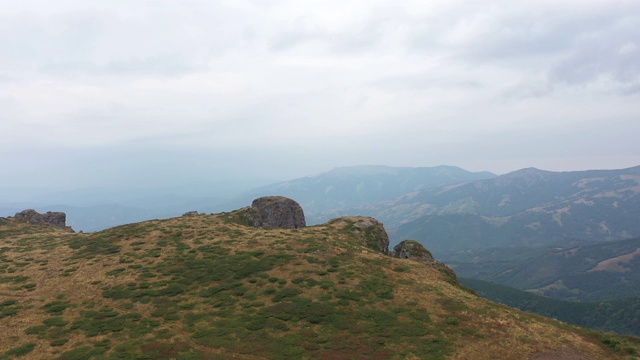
(287, 292)
(55, 321)
(35, 329)
(56, 307)
(22, 349)
(59, 342)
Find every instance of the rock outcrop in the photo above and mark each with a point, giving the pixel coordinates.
(57, 219)
(374, 234)
(413, 250)
(275, 212)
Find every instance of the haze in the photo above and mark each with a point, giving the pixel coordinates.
(164, 93)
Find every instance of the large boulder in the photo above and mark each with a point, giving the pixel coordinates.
(58, 219)
(413, 250)
(276, 212)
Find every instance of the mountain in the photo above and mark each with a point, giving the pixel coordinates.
(529, 207)
(209, 287)
(621, 316)
(586, 273)
(349, 190)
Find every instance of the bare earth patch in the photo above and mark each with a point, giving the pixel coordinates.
(564, 354)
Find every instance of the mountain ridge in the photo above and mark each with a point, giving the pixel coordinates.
(527, 207)
(209, 286)
(341, 190)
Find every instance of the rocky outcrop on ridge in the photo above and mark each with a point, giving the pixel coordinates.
(275, 212)
(375, 236)
(57, 219)
(412, 250)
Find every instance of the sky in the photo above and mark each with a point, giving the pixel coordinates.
(158, 92)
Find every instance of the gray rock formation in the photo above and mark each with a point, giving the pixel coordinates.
(373, 232)
(413, 250)
(276, 212)
(57, 219)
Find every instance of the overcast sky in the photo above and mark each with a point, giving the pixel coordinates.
(100, 93)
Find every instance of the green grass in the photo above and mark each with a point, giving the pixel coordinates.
(21, 350)
(9, 308)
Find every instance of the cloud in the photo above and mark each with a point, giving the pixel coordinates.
(310, 85)
(568, 44)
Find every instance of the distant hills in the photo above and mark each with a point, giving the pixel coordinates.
(364, 190)
(528, 207)
(450, 209)
(444, 207)
(596, 272)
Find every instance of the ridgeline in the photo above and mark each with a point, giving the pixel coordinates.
(222, 286)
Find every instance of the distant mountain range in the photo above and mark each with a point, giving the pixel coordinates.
(445, 208)
(528, 207)
(450, 209)
(595, 272)
(364, 190)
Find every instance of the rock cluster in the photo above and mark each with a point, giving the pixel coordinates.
(58, 219)
(276, 212)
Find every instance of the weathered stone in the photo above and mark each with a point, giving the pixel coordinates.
(372, 230)
(276, 212)
(413, 250)
(57, 219)
(190, 213)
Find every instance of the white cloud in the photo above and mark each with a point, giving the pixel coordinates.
(403, 82)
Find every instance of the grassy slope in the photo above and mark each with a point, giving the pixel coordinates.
(205, 287)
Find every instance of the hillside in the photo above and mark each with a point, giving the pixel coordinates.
(211, 287)
(584, 273)
(529, 207)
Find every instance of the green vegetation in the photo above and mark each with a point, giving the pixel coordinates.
(8, 308)
(21, 350)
